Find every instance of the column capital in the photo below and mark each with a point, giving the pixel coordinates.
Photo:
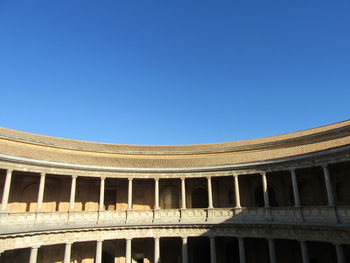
(235, 175)
(100, 240)
(74, 176)
(156, 179)
(184, 237)
(302, 240)
(69, 243)
(128, 238)
(182, 178)
(208, 177)
(292, 170)
(263, 173)
(337, 243)
(103, 177)
(35, 247)
(324, 166)
(9, 170)
(130, 178)
(42, 174)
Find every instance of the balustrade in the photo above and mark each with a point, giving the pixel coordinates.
(13, 222)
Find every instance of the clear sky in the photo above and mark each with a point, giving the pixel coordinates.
(173, 71)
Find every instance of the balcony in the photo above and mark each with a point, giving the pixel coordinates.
(35, 221)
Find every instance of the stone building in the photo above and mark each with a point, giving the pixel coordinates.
(278, 199)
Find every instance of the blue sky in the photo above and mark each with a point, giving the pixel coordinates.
(173, 72)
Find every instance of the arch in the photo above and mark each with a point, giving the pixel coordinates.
(169, 198)
(259, 196)
(199, 198)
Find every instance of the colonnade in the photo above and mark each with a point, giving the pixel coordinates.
(184, 253)
(297, 203)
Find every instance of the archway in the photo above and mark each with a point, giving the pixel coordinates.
(199, 198)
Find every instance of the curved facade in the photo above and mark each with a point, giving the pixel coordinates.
(283, 199)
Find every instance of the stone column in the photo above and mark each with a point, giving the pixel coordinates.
(210, 194)
(295, 188)
(33, 254)
(265, 191)
(340, 253)
(98, 257)
(156, 193)
(67, 252)
(304, 252)
(72, 192)
(128, 251)
(156, 250)
(41, 192)
(130, 194)
(184, 250)
(328, 183)
(241, 250)
(183, 193)
(272, 251)
(237, 195)
(102, 194)
(212, 250)
(6, 192)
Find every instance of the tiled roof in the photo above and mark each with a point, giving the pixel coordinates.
(21, 144)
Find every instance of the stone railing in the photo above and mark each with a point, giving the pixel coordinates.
(31, 221)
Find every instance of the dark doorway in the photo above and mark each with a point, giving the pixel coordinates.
(232, 251)
(169, 198)
(170, 250)
(259, 196)
(199, 250)
(200, 198)
(140, 260)
(110, 200)
(321, 252)
(107, 257)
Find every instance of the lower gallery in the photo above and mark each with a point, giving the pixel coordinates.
(283, 198)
